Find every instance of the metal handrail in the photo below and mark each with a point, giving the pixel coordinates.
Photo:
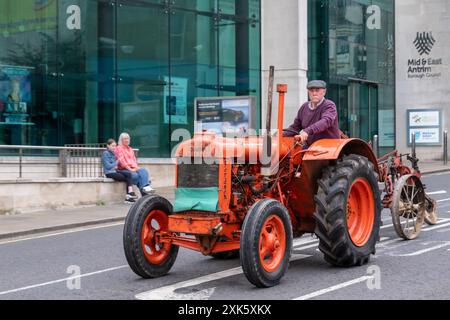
(10, 147)
(80, 152)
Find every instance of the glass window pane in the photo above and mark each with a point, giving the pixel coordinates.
(143, 77)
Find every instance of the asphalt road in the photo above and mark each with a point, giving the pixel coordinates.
(90, 264)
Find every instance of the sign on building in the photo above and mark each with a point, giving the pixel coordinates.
(426, 125)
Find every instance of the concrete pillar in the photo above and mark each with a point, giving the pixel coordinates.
(285, 45)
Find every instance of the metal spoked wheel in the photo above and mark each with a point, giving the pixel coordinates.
(431, 217)
(408, 207)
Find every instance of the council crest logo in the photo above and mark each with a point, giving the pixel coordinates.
(424, 42)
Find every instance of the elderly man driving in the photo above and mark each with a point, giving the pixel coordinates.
(316, 119)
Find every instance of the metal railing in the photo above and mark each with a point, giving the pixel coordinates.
(81, 161)
(73, 161)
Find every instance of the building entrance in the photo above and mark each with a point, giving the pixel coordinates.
(362, 109)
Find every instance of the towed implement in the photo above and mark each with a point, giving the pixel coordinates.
(232, 200)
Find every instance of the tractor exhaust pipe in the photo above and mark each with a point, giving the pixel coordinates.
(267, 147)
(282, 90)
(270, 99)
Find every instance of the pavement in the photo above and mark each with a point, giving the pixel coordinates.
(24, 224)
(430, 167)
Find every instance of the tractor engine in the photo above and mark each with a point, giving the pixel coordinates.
(217, 181)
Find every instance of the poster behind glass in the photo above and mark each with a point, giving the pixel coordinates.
(225, 115)
(15, 94)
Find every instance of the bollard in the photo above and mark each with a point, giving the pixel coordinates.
(413, 145)
(376, 145)
(445, 147)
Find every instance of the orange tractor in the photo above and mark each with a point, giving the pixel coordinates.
(230, 203)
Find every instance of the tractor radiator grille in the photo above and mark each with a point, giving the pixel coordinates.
(198, 175)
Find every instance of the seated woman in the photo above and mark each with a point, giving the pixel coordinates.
(110, 166)
(128, 164)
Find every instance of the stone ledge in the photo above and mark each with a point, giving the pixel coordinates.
(157, 161)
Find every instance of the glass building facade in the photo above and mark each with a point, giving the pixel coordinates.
(83, 71)
(352, 47)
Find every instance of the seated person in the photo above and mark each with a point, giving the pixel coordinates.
(128, 164)
(316, 119)
(110, 166)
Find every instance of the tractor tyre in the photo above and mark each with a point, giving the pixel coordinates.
(145, 219)
(348, 212)
(266, 243)
(226, 255)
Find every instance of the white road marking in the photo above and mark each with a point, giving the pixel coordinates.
(300, 242)
(306, 247)
(391, 225)
(440, 226)
(167, 292)
(417, 253)
(384, 243)
(61, 280)
(62, 233)
(333, 288)
(443, 200)
(303, 247)
(436, 192)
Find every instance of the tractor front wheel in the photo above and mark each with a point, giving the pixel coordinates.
(348, 212)
(266, 243)
(146, 219)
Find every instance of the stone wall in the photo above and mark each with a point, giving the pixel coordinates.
(422, 79)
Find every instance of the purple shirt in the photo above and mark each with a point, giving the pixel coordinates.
(320, 123)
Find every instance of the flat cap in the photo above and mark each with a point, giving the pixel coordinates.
(317, 84)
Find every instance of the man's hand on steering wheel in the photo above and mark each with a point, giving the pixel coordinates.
(302, 137)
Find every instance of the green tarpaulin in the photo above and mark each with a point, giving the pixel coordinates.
(199, 199)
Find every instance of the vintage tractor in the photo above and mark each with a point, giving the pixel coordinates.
(229, 203)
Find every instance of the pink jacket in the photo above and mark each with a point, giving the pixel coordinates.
(126, 157)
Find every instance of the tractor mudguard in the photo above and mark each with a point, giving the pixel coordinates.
(316, 158)
(333, 149)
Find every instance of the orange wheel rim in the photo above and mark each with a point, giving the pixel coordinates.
(272, 244)
(360, 212)
(155, 222)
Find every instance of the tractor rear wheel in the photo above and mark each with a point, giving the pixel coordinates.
(348, 212)
(266, 243)
(146, 257)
